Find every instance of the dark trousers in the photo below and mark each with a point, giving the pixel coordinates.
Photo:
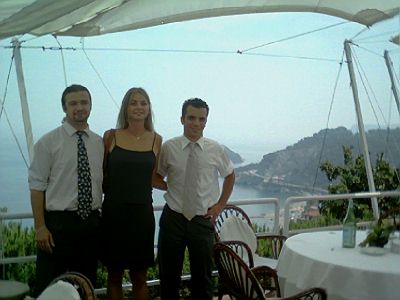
(76, 244)
(177, 233)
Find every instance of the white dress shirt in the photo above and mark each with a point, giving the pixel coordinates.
(54, 167)
(213, 162)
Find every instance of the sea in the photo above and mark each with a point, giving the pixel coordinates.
(15, 198)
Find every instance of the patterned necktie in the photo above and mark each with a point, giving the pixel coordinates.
(191, 183)
(84, 180)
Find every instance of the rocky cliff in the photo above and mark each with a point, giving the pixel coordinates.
(296, 168)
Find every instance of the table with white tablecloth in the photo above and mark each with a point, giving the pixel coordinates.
(317, 259)
(13, 290)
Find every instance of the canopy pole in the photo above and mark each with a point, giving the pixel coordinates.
(363, 139)
(389, 65)
(22, 94)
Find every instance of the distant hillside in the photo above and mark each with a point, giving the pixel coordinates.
(235, 157)
(295, 168)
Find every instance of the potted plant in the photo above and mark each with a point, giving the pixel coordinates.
(378, 236)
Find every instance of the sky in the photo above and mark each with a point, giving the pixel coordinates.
(260, 101)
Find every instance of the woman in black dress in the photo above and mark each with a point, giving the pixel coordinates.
(131, 153)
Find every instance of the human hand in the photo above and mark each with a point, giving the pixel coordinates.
(213, 212)
(44, 239)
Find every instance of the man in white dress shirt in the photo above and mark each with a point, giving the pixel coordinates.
(195, 232)
(66, 241)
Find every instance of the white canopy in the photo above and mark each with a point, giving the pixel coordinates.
(96, 17)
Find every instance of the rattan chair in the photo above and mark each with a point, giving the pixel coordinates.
(273, 245)
(81, 283)
(310, 294)
(238, 280)
(241, 282)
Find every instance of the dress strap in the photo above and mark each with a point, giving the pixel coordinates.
(109, 140)
(107, 145)
(115, 137)
(154, 140)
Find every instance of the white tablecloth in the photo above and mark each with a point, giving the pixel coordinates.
(14, 290)
(317, 259)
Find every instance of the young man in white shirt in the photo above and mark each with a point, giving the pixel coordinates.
(66, 241)
(195, 232)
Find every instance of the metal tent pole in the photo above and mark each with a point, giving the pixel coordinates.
(389, 65)
(22, 94)
(363, 139)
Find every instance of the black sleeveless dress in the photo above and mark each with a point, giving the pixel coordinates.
(128, 224)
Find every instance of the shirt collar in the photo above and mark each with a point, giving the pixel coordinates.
(71, 130)
(185, 141)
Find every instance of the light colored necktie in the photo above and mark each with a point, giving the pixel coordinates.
(84, 180)
(191, 183)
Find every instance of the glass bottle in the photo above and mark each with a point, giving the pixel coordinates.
(395, 242)
(349, 227)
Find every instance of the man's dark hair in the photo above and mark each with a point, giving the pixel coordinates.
(195, 102)
(72, 89)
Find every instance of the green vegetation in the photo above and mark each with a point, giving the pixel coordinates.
(18, 241)
(352, 178)
(321, 221)
(378, 236)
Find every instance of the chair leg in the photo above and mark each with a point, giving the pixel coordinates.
(222, 295)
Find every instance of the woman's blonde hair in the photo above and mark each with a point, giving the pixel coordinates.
(122, 121)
